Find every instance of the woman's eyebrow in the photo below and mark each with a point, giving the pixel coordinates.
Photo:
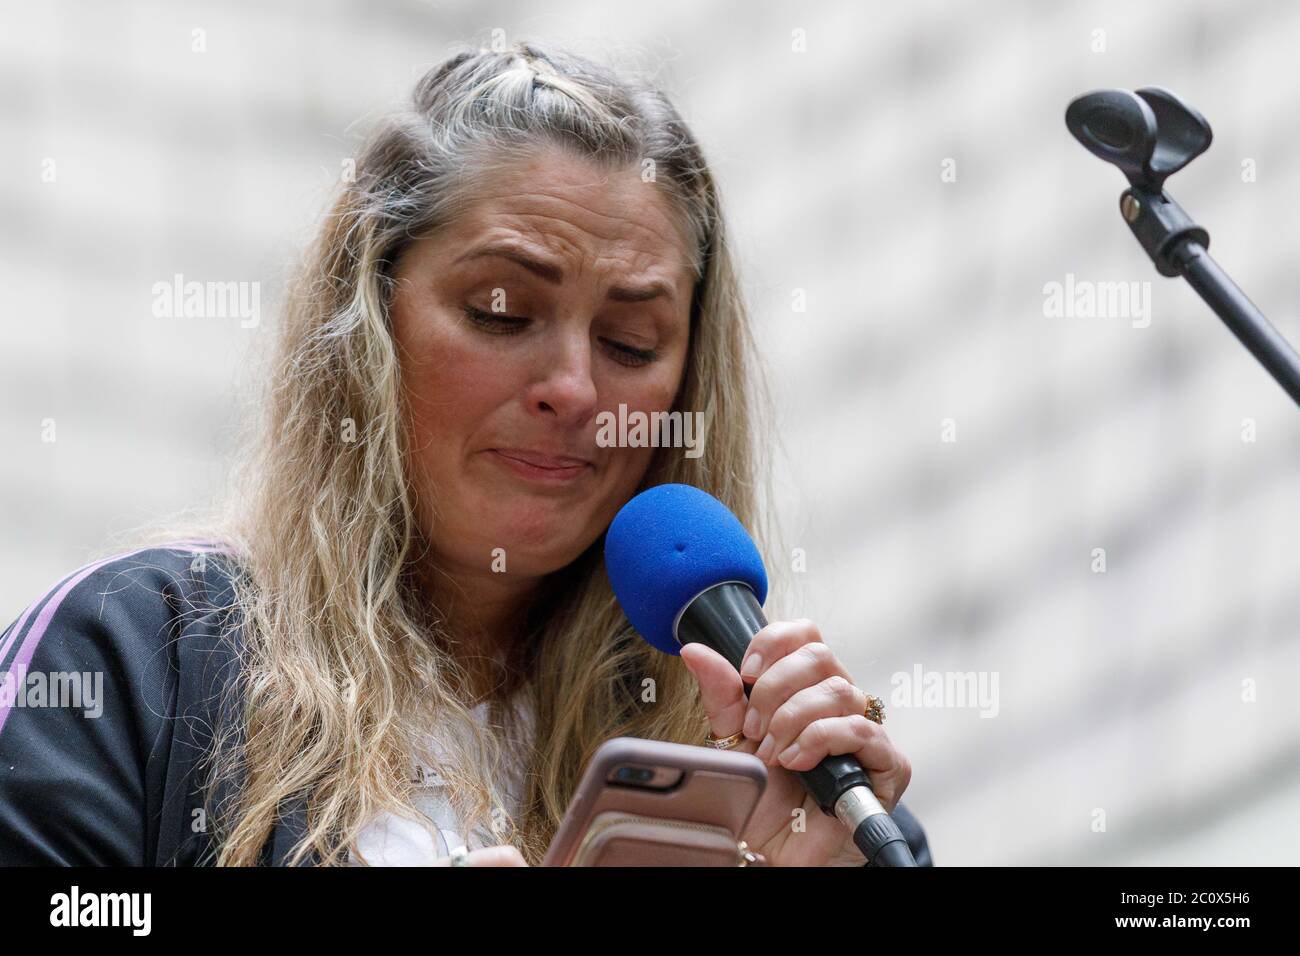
(555, 275)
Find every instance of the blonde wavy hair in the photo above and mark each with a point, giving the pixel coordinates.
(345, 669)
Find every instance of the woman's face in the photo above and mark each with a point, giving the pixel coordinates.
(561, 292)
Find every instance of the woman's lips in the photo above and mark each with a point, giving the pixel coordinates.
(536, 466)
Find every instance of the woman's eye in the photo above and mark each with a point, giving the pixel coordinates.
(628, 355)
(496, 322)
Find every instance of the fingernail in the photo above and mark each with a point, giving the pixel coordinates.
(752, 665)
(752, 720)
(765, 748)
(788, 754)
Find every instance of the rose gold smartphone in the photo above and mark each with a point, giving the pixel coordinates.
(651, 803)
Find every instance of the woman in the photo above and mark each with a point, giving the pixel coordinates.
(399, 636)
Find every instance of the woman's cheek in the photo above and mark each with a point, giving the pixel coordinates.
(461, 378)
(628, 467)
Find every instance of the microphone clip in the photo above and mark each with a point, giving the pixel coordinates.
(1149, 135)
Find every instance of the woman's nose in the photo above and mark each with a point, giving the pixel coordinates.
(564, 387)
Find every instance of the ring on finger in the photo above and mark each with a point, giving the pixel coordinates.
(724, 743)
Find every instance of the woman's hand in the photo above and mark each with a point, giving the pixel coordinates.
(802, 708)
(504, 855)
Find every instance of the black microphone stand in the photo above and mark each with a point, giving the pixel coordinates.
(1150, 135)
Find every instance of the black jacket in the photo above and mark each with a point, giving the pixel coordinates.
(105, 770)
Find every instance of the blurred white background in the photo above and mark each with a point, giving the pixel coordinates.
(910, 171)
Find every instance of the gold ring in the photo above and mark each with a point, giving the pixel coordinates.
(875, 710)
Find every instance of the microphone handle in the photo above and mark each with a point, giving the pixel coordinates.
(725, 618)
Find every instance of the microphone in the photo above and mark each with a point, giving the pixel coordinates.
(684, 569)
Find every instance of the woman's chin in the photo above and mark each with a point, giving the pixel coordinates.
(538, 546)
(520, 561)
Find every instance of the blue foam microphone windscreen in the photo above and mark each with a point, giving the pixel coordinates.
(666, 546)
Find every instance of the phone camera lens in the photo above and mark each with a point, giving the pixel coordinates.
(634, 774)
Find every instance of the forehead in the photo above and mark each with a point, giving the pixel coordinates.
(573, 209)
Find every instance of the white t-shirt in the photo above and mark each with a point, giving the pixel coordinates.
(391, 840)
